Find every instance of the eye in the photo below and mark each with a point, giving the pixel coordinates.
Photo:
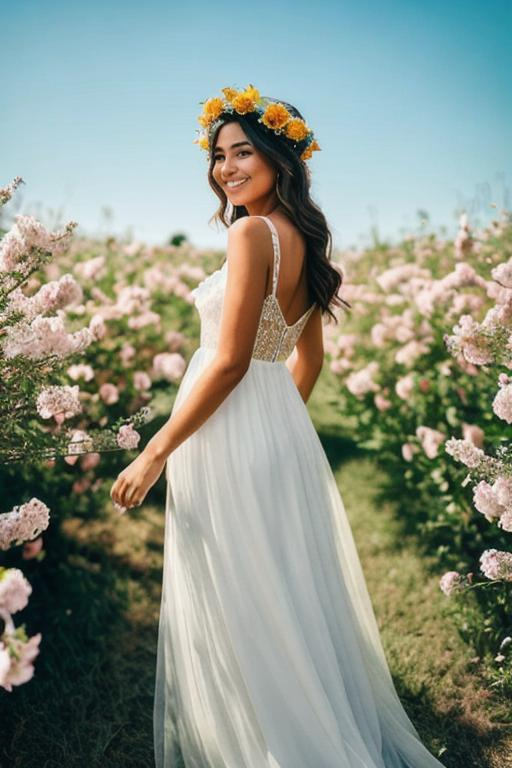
(242, 152)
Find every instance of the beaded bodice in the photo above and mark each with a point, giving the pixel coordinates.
(275, 339)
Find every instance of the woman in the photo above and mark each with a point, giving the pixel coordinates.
(269, 653)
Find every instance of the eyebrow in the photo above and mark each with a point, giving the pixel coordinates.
(237, 144)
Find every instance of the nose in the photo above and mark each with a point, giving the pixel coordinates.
(228, 169)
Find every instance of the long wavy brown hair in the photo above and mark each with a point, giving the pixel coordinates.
(293, 192)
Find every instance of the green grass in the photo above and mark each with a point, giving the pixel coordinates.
(91, 700)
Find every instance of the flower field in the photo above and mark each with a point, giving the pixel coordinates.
(94, 339)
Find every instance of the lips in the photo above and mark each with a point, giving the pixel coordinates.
(237, 185)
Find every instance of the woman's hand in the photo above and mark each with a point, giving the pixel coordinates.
(133, 483)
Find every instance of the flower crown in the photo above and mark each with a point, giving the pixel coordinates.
(272, 114)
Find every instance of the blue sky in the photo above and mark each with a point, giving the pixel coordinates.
(409, 101)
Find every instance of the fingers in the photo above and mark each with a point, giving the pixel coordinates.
(124, 497)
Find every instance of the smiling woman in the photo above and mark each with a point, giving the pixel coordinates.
(269, 654)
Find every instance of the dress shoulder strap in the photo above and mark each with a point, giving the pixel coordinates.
(277, 252)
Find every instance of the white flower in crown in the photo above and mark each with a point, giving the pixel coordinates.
(272, 114)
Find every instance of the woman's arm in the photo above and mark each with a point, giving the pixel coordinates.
(248, 255)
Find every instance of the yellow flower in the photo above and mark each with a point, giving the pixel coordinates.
(243, 103)
(275, 116)
(202, 141)
(229, 93)
(296, 129)
(211, 110)
(252, 93)
(309, 150)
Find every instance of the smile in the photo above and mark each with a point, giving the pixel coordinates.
(238, 183)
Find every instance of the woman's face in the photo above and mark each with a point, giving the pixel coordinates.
(234, 163)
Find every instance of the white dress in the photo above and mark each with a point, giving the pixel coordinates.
(269, 653)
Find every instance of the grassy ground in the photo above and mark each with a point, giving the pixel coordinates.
(90, 703)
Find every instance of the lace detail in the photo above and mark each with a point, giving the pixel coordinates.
(275, 339)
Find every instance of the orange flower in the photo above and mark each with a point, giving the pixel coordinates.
(243, 103)
(211, 110)
(275, 116)
(309, 150)
(296, 129)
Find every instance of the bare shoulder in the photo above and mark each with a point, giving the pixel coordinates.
(253, 235)
(253, 226)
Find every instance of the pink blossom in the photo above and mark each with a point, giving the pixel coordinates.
(496, 564)
(109, 393)
(132, 299)
(97, 327)
(146, 318)
(379, 335)
(169, 365)
(451, 582)
(23, 522)
(22, 654)
(52, 296)
(503, 274)
(92, 269)
(430, 440)
(465, 452)
(409, 353)
(360, 382)
(381, 402)
(340, 366)
(14, 590)
(502, 403)
(128, 437)
(502, 487)
(80, 371)
(42, 337)
(505, 521)
(141, 380)
(127, 353)
(55, 400)
(394, 277)
(408, 451)
(405, 386)
(27, 234)
(486, 502)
